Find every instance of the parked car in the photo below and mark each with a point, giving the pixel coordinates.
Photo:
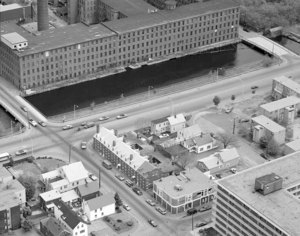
(244, 120)
(103, 118)
(150, 202)
(83, 123)
(33, 122)
(121, 116)
(21, 152)
(129, 183)
(126, 207)
(120, 177)
(191, 211)
(137, 191)
(161, 211)
(24, 108)
(200, 224)
(66, 127)
(265, 156)
(233, 170)
(42, 123)
(93, 177)
(83, 145)
(254, 87)
(152, 222)
(219, 176)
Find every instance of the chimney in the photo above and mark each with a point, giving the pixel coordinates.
(42, 15)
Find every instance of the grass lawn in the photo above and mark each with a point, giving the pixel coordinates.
(29, 169)
(49, 164)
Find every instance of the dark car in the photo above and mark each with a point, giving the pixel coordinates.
(254, 87)
(137, 191)
(191, 211)
(244, 120)
(201, 224)
(265, 156)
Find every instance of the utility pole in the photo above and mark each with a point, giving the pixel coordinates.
(75, 106)
(233, 128)
(99, 178)
(70, 153)
(192, 222)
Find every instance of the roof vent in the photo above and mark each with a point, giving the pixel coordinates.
(268, 184)
(178, 187)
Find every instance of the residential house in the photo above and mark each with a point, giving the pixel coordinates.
(88, 191)
(127, 160)
(262, 126)
(67, 177)
(284, 87)
(282, 111)
(69, 219)
(52, 227)
(70, 197)
(219, 161)
(170, 124)
(47, 198)
(12, 198)
(291, 147)
(99, 207)
(188, 132)
(190, 189)
(198, 144)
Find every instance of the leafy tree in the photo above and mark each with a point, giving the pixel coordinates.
(272, 148)
(118, 200)
(216, 100)
(243, 131)
(232, 97)
(267, 61)
(263, 142)
(29, 184)
(27, 225)
(226, 139)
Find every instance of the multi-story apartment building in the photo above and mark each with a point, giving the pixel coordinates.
(263, 200)
(284, 87)
(129, 161)
(12, 198)
(262, 126)
(190, 189)
(283, 110)
(88, 11)
(78, 51)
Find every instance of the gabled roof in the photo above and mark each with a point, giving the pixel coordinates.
(189, 132)
(101, 201)
(219, 158)
(75, 171)
(88, 188)
(199, 140)
(55, 227)
(160, 120)
(176, 119)
(121, 149)
(68, 216)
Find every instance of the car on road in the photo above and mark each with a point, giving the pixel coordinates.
(150, 202)
(83, 123)
(254, 87)
(21, 152)
(42, 123)
(120, 177)
(265, 156)
(152, 222)
(200, 224)
(83, 145)
(233, 170)
(191, 211)
(161, 210)
(66, 127)
(126, 207)
(24, 108)
(89, 125)
(228, 109)
(121, 116)
(137, 191)
(33, 122)
(129, 183)
(103, 118)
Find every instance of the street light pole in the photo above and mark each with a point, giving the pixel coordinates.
(75, 106)
(149, 88)
(11, 126)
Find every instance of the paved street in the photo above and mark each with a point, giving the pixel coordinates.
(52, 140)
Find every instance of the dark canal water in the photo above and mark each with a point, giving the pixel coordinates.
(134, 81)
(288, 43)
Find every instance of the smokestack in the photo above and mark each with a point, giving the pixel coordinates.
(42, 15)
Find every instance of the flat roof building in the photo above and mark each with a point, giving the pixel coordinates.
(283, 86)
(241, 210)
(280, 104)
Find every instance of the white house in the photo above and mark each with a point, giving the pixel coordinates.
(69, 219)
(66, 177)
(99, 207)
(171, 124)
(188, 132)
(201, 143)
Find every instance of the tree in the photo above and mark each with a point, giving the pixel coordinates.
(243, 131)
(267, 61)
(232, 97)
(183, 161)
(263, 142)
(92, 105)
(216, 100)
(118, 200)
(27, 225)
(226, 139)
(29, 184)
(272, 147)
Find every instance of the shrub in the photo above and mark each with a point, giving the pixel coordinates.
(119, 221)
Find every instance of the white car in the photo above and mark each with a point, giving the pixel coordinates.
(103, 118)
(83, 145)
(33, 122)
(21, 152)
(126, 207)
(121, 116)
(67, 127)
